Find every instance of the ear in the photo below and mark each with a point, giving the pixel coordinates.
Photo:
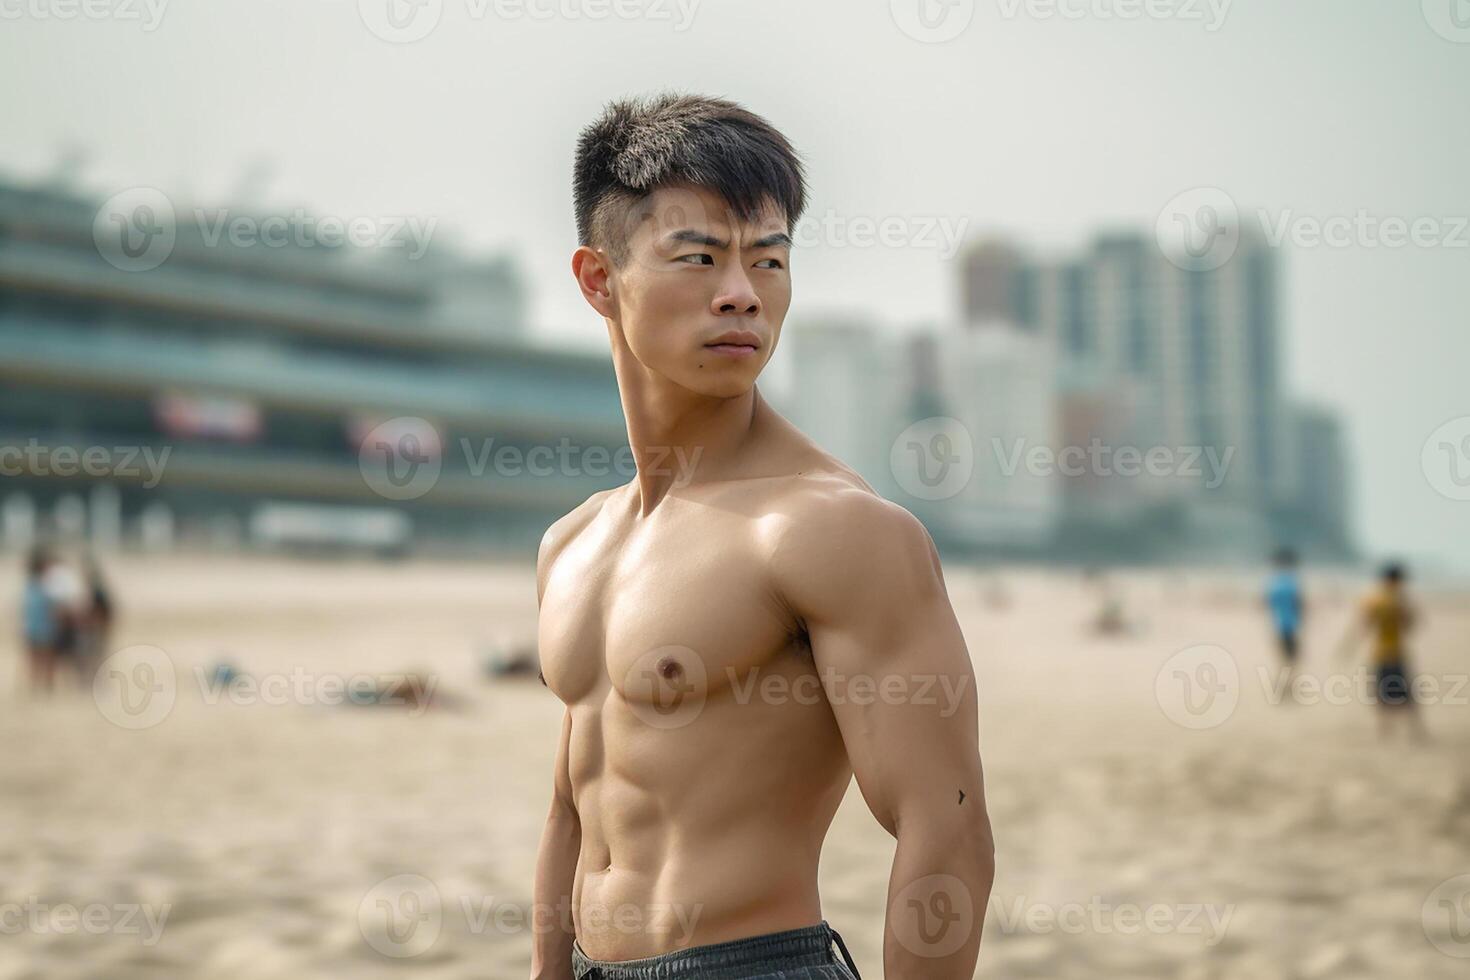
(593, 272)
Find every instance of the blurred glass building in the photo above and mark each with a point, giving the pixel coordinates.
(307, 393)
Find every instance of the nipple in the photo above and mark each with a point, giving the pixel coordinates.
(669, 668)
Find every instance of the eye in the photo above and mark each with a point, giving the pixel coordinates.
(762, 264)
(697, 255)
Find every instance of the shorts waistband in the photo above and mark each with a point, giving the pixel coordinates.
(769, 953)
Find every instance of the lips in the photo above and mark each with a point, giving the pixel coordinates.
(735, 341)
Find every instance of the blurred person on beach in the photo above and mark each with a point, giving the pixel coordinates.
(1287, 608)
(1387, 616)
(40, 622)
(703, 622)
(67, 592)
(94, 625)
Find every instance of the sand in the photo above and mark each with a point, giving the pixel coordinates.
(257, 840)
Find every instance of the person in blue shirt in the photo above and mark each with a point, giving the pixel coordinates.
(1284, 599)
(40, 621)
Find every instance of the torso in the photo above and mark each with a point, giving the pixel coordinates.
(705, 762)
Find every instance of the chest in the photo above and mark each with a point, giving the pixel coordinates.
(688, 599)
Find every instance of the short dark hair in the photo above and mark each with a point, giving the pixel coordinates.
(640, 144)
(1393, 572)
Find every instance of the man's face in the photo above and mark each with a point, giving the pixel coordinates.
(701, 295)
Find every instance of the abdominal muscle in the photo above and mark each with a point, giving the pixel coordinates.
(705, 834)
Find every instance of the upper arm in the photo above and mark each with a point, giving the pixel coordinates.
(863, 576)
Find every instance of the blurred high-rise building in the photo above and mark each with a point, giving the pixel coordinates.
(1155, 356)
(844, 382)
(997, 385)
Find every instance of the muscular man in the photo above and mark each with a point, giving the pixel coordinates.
(746, 625)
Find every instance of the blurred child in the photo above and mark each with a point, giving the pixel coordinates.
(1284, 599)
(1387, 616)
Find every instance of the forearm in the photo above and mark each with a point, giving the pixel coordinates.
(937, 895)
(556, 870)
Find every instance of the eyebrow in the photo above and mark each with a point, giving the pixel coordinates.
(773, 240)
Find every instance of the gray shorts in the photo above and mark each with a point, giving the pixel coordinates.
(796, 954)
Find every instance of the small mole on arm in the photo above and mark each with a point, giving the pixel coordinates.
(962, 797)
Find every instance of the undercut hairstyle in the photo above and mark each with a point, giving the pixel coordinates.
(639, 144)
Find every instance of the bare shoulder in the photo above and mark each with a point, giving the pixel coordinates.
(837, 541)
(564, 531)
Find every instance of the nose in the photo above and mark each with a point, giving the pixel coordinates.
(736, 296)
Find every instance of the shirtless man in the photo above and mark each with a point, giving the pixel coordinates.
(746, 625)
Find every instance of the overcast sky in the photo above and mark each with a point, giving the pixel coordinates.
(1042, 120)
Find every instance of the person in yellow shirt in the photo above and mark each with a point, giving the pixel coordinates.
(1387, 616)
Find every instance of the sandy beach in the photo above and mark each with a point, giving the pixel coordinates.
(1145, 828)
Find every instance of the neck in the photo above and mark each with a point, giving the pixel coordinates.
(680, 437)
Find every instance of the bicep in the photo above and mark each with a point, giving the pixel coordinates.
(893, 660)
(903, 694)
